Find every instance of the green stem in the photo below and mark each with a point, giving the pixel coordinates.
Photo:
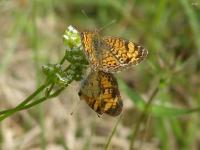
(142, 118)
(52, 85)
(113, 131)
(27, 100)
(48, 92)
(31, 104)
(63, 60)
(42, 99)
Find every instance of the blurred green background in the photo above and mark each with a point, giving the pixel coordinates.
(31, 35)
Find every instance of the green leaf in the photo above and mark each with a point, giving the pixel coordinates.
(156, 110)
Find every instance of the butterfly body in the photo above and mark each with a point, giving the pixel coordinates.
(111, 54)
(107, 55)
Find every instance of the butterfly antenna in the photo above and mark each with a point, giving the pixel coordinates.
(98, 115)
(84, 13)
(110, 23)
(113, 21)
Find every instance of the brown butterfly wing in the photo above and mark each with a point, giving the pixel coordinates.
(111, 54)
(108, 62)
(119, 54)
(90, 41)
(100, 91)
(110, 95)
(90, 91)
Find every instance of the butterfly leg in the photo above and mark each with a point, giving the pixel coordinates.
(99, 115)
(101, 105)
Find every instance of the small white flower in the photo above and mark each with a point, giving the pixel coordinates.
(66, 37)
(70, 28)
(75, 31)
(73, 38)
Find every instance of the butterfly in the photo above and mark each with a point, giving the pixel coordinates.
(111, 54)
(101, 93)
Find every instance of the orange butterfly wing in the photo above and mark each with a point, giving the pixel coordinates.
(100, 91)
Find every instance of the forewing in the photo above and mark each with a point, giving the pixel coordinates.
(90, 43)
(107, 61)
(124, 53)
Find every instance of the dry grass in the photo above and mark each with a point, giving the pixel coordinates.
(31, 35)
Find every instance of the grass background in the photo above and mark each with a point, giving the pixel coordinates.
(31, 35)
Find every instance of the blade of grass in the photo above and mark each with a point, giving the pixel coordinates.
(87, 144)
(18, 27)
(34, 44)
(112, 133)
(61, 141)
(178, 132)
(156, 110)
(192, 132)
(142, 118)
(193, 20)
(161, 133)
(164, 111)
(8, 55)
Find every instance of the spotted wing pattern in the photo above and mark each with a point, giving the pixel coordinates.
(90, 42)
(120, 54)
(100, 91)
(111, 54)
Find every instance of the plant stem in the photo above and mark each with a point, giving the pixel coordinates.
(27, 100)
(113, 131)
(31, 104)
(136, 128)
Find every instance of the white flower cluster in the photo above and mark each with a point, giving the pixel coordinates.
(72, 29)
(72, 38)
